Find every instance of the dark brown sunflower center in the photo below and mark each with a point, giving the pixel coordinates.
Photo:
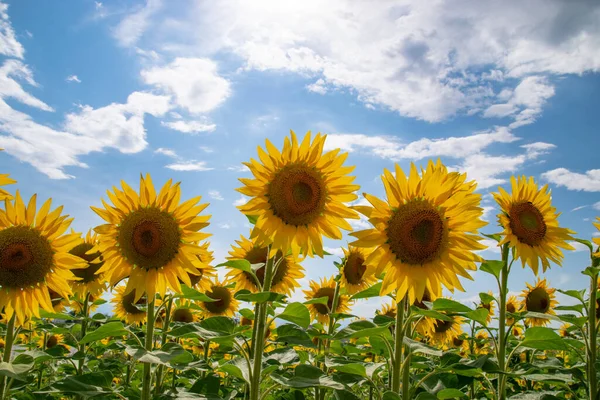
(87, 274)
(390, 313)
(538, 300)
(149, 238)
(417, 233)
(354, 268)
(324, 292)
(258, 255)
(183, 315)
(297, 194)
(527, 223)
(26, 257)
(442, 326)
(246, 321)
(194, 279)
(51, 341)
(487, 306)
(510, 307)
(457, 342)
(129, 306)
(222, 297)
(426, 297)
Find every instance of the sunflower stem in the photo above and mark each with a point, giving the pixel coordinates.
(163, 340)
(501, 344)
(84, 324)
(146, 383)
(406, 363)
(8, 343)
(592, 333)
(398, 341)
(259, 339)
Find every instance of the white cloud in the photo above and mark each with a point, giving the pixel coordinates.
(215, 194)
(579, 246)
(73, 78)
(189, 166)
(206, 149)
(9, 45)
(534, 150)
(225, 225)
(587, 182)
(190, 126)
(424, 60)
(336, 251)
(317, 87)
(241, 201)
(486, 169)
(12, 70)
(582, 207)
(238, 168)
(166, 152)
(133, 26)
(596, 206)
(492, 246)
(194, 83)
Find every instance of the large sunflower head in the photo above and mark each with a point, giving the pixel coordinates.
(356, 274)
(531, 224)
(299, 194)
(225, 304)
(541, 299)
(127, 308)
(34, 257)
(285, 279)
(425, 234)
(151, 238)
(326, 288)
(512, 306)
(439, 332)
(90, 281)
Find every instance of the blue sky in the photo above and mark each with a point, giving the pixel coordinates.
(95, 92)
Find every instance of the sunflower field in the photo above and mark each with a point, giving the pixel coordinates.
(187, 326)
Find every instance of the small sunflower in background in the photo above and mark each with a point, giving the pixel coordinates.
(184, 312)
(76, 304)
(89, 280)
(225, 304)
(207, 274)
(596, 240)
(151, 238)
(52, 340)
(325, 288)
(517, 331)
(127, 308)
(34, 258)
(541, 299)
(482, 343)
(425, 234)
(564, 330)
(356, 274)
(531, 224)
(389, 310)
(512, 306)
(488, 305)
(439, 332)
(299, 194)
(285, 279)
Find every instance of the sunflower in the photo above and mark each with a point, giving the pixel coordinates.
(184, 312)
(90, 281)
(517, 331)
(356, 274)
(127, 308)
(34, 257)
(597, 239)
(425, 235)
(389, 310)
(326, 288)
(540, 299)
(482, 343)
(59, 303)
(52, 340)
(206, 274)
(441, 333)
(151, 238)
(564, 330)
(299, 194)
(225, 304)
(488, 306)
(285, 279)
(512, 306)
(530, 224)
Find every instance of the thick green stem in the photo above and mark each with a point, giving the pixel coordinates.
(8, 343)
(259, 339)
(163, 340)
(254, 325)
(398, 343)
(592, 337)
(146, 382)
(501, 344)
(84, 324)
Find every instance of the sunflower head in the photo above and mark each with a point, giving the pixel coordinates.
(596, 240)
(488, 305)
(425, 234)
(225, 304)
(201, 280)
(151, 238)
(441, 333)
(531, 224)
(127, 308)
(299, 194)
(564, 330)
(34, 257)
(285, 279)
(512, 306)
(482, 343)
(184, 312)
(356, 274)
(52, 340)
(389, 310)
(89, 280)
(541, 299)
(325, 288)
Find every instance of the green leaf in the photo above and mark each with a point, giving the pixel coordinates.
(450, 393)
(587, 243)
(86, 385)
(541, 338)
(296, 313)
(238, 368)
(345, 395)
(292, 334)
(494, 236)
(48, 315)
(429, 313)
(260, 297)
(362, 329)
(442, 304)
(486, 298)
(370, 292)
(493, 267)
(306, 376)
(245, 312)
(169, 354)
(546, 395)
(252, 219)
(577, 294)
(348, 368)
(478, 315)
(319, 300)
(418, 347)
(576, 307)
(18, 368)
(107, 330)
(208, 329)
(391, 396)
(242, 265)
(193, 294)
